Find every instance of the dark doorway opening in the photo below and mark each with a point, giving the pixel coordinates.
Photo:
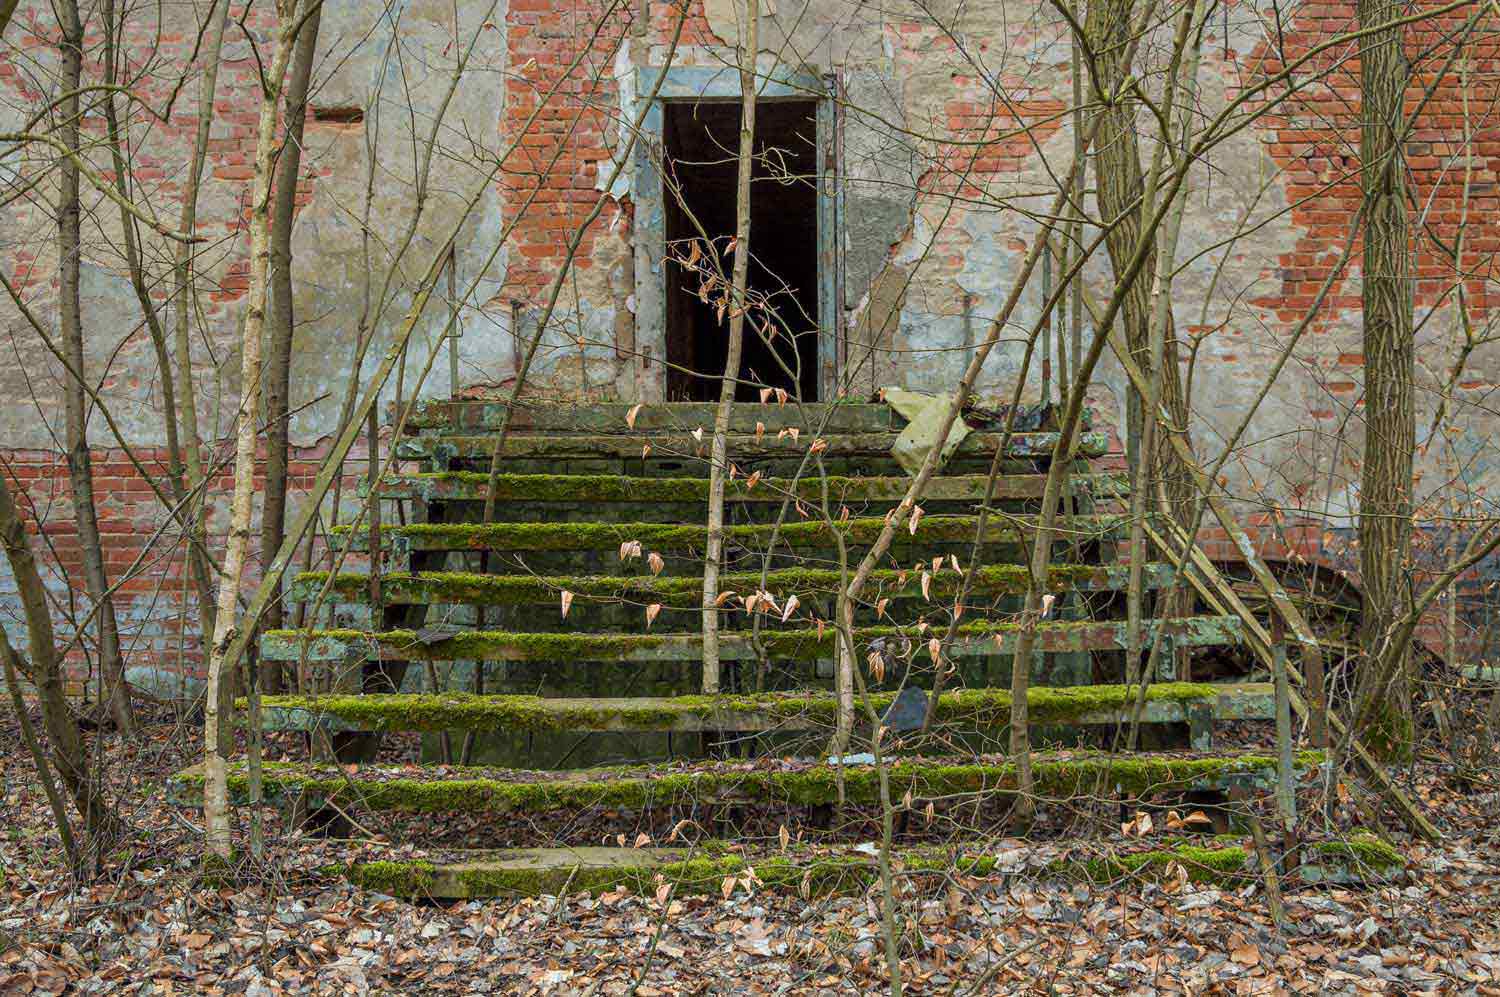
(701, 141)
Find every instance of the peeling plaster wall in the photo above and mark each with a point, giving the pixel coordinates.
(395, 63)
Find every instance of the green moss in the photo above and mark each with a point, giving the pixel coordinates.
(607, 537)
(398, 879)
(1389, 734)
(786, 645)
(694, 491)
(1203, 865)
(639, 788)
(1363, 850)
(458, 711)
(686, 591)
(818, 875)
(470, 645)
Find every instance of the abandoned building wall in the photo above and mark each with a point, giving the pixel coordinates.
(947, 123)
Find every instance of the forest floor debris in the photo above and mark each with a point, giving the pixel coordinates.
(149, 925)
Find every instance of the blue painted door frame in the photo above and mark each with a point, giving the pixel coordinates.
(723, 83)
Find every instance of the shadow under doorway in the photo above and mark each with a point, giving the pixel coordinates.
(701, 140)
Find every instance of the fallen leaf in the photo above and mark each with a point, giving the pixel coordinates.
(567, 602)
(1246, 955)
(635, 410)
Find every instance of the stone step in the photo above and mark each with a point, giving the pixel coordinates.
(541, 489)
(441, 451)
(606, 538)
(812, 870)
(1196, 704)
(454, 643)
(400, 588)
(471, 414)
(765, 781)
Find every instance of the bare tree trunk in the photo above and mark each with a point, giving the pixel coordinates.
(215, 789)
(200, 563)
(182, 292)
(63, 735)
(10, 659)
(75, 406)
(7, 10)
(1110, 26)
(719, 457)
(1385, 507)
(279, 342)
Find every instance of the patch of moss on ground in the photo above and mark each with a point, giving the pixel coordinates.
(1202, 865)
(1362, 850)
(1388, 734)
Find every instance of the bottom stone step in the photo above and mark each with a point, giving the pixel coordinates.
(716, 868)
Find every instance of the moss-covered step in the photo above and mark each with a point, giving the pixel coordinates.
(1197, 704)
(808, 871)
(983, 638)
(606, 538)
(470, 414)
(1063, 776)
(606, 417)
(473, 486)
(400, 588)
(442, 449)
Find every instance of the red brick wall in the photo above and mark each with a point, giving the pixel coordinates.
(144, 549)
(565, 154)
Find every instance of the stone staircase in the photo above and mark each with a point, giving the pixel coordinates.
(602, 509)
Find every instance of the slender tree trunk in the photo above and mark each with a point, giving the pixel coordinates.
(75, 404)
(215, 790)
(199, 561)
(10, 659)
(63, 736)
(182, 292)
(719, 456)
(1109, 25)
(279, 342)
(1385, 507)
